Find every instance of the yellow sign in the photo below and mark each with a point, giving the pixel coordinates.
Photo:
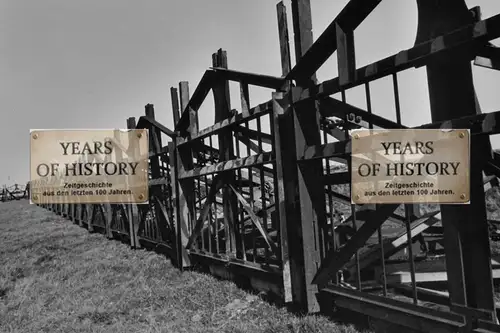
(89, 166)
(410, 166)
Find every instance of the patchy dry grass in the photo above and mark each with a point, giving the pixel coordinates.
(56, 277)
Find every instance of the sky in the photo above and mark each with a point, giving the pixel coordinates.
(94, 63)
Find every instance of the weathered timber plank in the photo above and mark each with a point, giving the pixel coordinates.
(175, 105)
(132, 210)
(255, 220)
(245, 100)
(336, 133)
(346, 59)
(184, 189)
(350, 17)
(146, 122)
(451, 93)
(286, 62)
(214, 188)
(425, 266)
(237, 119)
(331, 149)
(247, 142)
(281, 159)
(160, 153)
(260, 80)
(481, 31)
(222, 103)
(303, 36)
(228, 165)
(334, 260)
(255, 135)
(163, 210)
(337, 178)
(331, 107)
(393, 246)
(437, 276)
(482, 124)
(401, 313)
(193, 127)
(199, 95)
(155, 145)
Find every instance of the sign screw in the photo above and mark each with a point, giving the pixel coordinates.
(141, 196)
(356, 136)
(461, 135)
(356, 197)
(35, 197)
(35, 136)
(462, 196)
(139, 135)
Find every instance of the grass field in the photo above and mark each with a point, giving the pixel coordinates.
(56, 277)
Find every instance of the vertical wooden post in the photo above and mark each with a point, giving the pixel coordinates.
(133, 209)
(476, 17)
(286, 62)
(175, 105)
(346, 60)
(193, 115)
(302, 32)
(280, 156)
(451, 92)
(283, 157)
(304, 190)
(183, 160)
(226, 152)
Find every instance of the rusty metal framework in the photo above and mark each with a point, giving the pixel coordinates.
(262, 195)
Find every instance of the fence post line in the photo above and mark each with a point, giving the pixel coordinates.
(133, 209)
(451, 93)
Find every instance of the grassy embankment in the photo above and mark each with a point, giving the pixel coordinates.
(56, 277)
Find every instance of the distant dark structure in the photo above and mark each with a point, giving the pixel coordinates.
(14, 192)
